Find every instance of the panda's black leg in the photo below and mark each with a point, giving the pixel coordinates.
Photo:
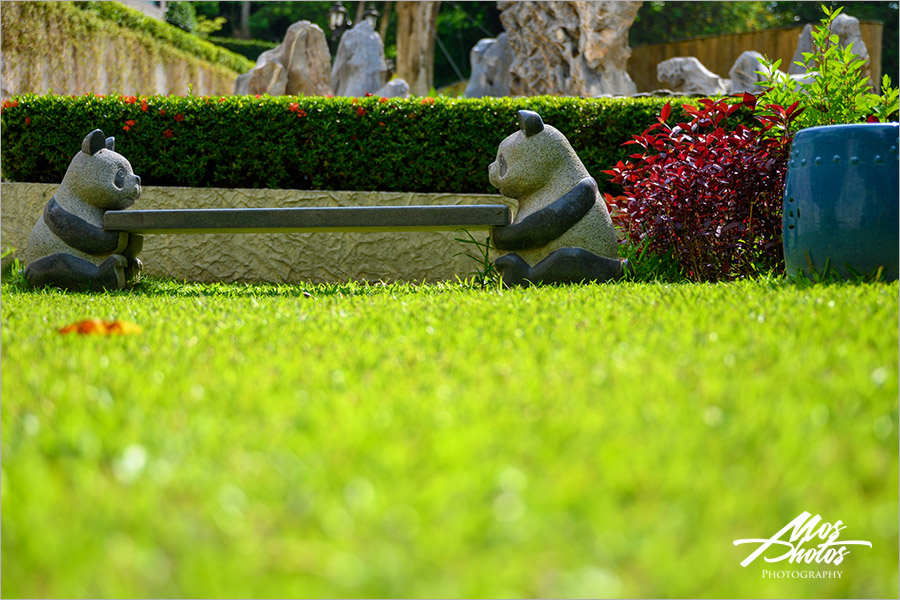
(135, 266)
(72, 273)
(513, 269)
(112, 269)
(575, 265)
(135, 245)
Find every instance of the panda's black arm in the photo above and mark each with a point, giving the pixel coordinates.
(547, 224)
(78, 233)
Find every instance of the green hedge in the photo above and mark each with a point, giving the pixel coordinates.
(419, 145)
(248, 48)
(130, 18)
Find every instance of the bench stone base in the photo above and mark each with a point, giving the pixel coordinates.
(276, 257)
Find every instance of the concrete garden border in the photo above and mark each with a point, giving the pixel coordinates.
(276, 257)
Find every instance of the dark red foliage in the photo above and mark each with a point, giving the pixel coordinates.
(708, 192)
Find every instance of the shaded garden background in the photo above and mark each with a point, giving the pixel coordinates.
(461, 24)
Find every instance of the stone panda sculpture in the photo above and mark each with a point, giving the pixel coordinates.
(68, 247)
(562, 232)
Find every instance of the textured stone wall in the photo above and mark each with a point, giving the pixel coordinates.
(280, 257)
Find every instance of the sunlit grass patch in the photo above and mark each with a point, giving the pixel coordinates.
(434, 440)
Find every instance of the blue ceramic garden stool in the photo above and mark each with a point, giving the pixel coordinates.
(841, 200)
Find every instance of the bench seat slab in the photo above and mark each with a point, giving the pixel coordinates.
(309, 219)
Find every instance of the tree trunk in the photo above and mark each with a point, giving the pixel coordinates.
(245, 20)
(360, 9)
(416, 24)
(385, 21)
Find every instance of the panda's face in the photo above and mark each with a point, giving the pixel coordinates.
(105, 179)
(519, 169)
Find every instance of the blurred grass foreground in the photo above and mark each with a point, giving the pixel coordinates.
(435, 441)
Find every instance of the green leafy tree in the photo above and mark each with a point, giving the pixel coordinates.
(270, 20)
(182, 15)
(659, 22)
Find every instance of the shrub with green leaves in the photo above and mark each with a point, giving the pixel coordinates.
(838, 90)
(417, 145)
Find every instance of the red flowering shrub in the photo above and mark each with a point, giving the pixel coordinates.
(707, 192)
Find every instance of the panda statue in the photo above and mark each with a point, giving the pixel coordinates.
(562, 232)
(68, 247)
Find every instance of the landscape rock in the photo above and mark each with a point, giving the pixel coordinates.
(359, 66)
(242, 84)
(395, 88)
(491, 60)
(298, 66)
(570, 48)
(307, 59)
(268, 78)
(744, 73)
(804, 44)
(687, 75)
(848, 32)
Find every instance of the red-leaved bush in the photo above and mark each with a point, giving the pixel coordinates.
(707, 191)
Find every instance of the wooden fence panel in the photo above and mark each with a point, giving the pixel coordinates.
(718, 53)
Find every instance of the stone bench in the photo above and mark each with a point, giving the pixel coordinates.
(308, 219)
(562, 233)
(285, 256)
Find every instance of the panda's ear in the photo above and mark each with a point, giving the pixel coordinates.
(93, 142)
(111, 143)
(530, 122)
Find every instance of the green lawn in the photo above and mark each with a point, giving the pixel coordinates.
(604, 440)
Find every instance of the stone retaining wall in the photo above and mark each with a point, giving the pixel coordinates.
(275, 257)
(59, 49)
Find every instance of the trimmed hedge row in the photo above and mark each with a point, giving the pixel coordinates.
(130, 18)
(417, 145)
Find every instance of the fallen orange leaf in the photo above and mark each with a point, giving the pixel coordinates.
(98, 327)
(124, 328)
